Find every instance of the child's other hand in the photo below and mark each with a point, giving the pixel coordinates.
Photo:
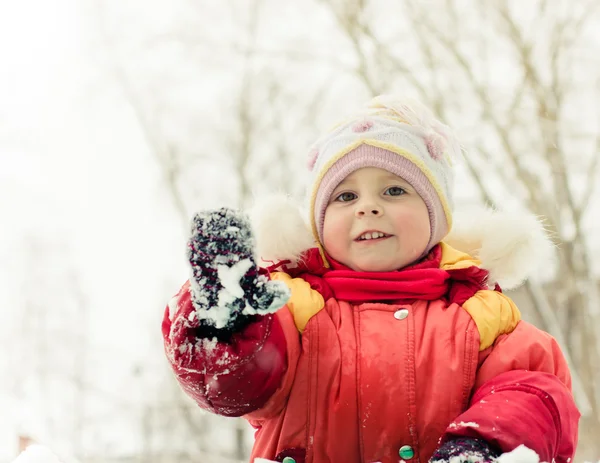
(226, 287)
(464, 450)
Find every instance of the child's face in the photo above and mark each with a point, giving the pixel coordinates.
(375, 200)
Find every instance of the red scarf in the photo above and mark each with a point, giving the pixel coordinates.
(424, 280)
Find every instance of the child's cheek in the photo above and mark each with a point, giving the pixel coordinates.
(335, 232)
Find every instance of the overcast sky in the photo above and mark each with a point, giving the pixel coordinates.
(75, 174)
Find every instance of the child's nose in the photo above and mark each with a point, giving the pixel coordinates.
(368, 209)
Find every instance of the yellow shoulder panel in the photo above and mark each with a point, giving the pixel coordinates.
(494, 314)
(453, 259)
(304, 301)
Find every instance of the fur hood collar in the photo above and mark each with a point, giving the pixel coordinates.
(510, 246)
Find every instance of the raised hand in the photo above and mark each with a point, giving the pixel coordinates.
(226, 287)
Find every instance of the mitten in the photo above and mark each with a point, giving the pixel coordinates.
(465, 450)
(226, 288)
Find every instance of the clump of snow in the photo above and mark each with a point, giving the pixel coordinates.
(172, 307)
(37, 454)
(225, 359)
(208, 345)
(521, 454)
(230, 279)
(462, 424)
(184, 347)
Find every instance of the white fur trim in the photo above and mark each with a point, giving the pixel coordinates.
(511, 246)
(279, 228)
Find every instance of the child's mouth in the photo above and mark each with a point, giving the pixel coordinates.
(372, 237)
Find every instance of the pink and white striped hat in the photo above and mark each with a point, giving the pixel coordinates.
(400, 136)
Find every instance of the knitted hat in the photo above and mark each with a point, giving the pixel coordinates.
(399, 136)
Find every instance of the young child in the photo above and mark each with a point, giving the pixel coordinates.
(372, 340)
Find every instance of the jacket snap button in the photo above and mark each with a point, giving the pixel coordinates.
(406, 452)
(401, 315)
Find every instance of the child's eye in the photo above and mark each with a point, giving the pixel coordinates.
(395, 191)
(345, 197)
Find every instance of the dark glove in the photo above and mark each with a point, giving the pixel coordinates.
(467, 450)
(227, 290)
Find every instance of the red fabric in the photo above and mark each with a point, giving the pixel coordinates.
(521, 384)
(466, 282)
(216, 378)
(421, 281)
(521, 407)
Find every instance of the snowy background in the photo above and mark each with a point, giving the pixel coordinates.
(119, 119)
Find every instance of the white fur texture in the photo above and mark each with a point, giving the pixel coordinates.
(511, 246)
(279, 228)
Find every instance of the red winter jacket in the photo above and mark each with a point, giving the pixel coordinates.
(327, 380)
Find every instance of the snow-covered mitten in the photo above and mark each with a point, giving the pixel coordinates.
(465, 450)
(226, 288)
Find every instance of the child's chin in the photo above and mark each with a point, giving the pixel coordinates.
(376, 266)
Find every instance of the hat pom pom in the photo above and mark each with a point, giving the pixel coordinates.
(435, 145)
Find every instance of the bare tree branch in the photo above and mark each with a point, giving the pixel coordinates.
(530, 182)
(590, 182)
(349, 22)
(163, 153)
